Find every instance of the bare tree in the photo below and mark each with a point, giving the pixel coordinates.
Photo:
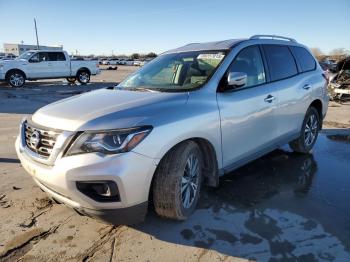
(339, 53)
(151, 55)
(135, 56)
(317, 53)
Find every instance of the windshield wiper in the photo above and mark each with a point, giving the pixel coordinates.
(144, 89)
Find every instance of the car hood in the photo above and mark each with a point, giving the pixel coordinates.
(108, 109)
(13, 62)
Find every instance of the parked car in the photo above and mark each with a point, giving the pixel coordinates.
(331, 64)
(137, 63)
(113, 61)
(104, 61)
(47, 64)
(183, 120)
(339, 85)
(9, 57)
(121, 62)
(142, 63)
(129, 62)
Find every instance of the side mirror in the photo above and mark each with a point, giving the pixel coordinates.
(34, 60)
(236, 79)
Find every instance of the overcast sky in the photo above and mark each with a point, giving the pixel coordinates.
(124, 27)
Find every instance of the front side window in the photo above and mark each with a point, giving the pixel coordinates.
(305, 59)
(43, 57)
(27, 55)
(249, 61)
(175, 72)
(280, 61)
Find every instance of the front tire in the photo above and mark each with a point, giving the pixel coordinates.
(309, 132)
(16, 78)
(177, 182)
(83, 77)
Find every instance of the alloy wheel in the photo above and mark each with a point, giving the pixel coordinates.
(310, 131)
(16, 79)
(189, 181)
(84, 77)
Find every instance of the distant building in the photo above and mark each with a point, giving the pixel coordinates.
(18, 49)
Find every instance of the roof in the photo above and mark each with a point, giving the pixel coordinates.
(218, 45)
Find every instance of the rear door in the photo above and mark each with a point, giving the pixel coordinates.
(248, 124)
(294, 92)
(58, 64)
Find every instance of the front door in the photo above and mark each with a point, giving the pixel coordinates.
(247, 113)
(38, 66)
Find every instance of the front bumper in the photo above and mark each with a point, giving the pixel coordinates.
(132, 172)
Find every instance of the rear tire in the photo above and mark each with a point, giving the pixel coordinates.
(15, 78)
(177, 182)
(71, 80)
(83, 77)
(309, 132)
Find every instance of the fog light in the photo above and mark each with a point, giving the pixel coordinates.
(100, 191)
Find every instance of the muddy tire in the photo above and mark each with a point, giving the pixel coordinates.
(177, 182)
(309, 132)
(83, 77)
(15, 78)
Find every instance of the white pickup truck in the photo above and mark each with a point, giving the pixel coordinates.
(46, 64)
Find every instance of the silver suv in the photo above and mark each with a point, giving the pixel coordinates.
(183, 120)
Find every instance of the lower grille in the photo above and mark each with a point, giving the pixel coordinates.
(39, 140)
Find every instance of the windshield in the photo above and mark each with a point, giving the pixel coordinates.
(26, 55)
(175, 72)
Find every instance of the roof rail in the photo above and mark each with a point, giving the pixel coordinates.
(273, 37)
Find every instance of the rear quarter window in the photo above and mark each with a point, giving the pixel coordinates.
(280, 61)
(304, 58)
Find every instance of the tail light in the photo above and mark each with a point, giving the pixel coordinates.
(326, 76)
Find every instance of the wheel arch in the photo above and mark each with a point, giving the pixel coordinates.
(83, 69)
(15, 70)
(317, 104)
(210, 168)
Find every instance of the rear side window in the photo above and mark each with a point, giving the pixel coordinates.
(280, 61)
(304, 58)
(56, 56)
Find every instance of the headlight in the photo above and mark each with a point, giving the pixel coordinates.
(109, 141)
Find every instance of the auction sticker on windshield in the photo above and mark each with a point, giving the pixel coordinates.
(218, 56)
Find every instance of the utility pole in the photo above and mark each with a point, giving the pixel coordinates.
(36, 33)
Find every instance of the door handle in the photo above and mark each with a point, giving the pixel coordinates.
(307, 87)
(269, 99)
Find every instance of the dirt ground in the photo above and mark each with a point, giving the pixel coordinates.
(281, 207)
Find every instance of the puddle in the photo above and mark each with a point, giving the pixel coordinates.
(281, 207)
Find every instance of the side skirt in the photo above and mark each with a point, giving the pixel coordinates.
(257, 154)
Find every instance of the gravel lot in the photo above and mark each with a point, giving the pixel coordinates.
(282, 207)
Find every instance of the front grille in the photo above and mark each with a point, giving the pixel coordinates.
(40, 141)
